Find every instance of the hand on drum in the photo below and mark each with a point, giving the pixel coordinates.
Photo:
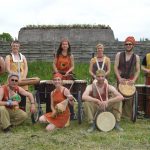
(122, 81)
(130, 82)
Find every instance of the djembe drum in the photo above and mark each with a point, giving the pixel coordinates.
(127, 90)
(79, 85)
(147, 110)
(105, 121)
(141, 90)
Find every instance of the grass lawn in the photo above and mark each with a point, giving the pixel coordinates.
(136, 136)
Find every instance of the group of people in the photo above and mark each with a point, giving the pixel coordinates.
(99, 95)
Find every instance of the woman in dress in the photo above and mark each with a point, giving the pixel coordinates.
(60, 115)
(64, 60)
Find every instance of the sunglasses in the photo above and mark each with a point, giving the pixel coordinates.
(13, 80)
(128, 44)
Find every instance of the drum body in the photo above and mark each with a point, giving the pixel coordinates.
(105, 121)
(141, 90)
(147, 111)
(79, 85)
(29, 81)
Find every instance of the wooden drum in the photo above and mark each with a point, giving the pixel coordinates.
(29, 81)
(141, 90)
(105, 121)
(127, 90)
(79, 85)
(147, 111)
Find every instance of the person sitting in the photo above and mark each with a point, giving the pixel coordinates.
(64, 61)
(100, 61)
(10, 114)
(96, 98)
(60, 115)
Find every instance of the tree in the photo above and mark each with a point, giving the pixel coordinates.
(6, 37)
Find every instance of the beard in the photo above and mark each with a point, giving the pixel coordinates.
(129, 50)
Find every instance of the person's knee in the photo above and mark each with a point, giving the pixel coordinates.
(24, 116)
(2, 108)
(42, 119)
(50, 127)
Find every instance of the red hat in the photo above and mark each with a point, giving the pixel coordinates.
(130, 39)
(57, 75)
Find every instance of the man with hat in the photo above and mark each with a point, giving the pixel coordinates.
(96, 97)
(10, 114)
(127, 68)
(146, 68)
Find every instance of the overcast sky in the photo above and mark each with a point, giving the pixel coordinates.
(125, 17)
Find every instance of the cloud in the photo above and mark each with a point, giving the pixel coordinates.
(125, 17)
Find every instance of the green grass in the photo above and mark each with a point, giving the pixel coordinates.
(136, 136)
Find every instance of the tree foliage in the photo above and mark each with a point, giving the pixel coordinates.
(6, 37)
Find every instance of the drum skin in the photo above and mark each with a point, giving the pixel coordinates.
(105, 121)
(127, 90)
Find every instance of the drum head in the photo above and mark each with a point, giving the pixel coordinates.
(105, 121)
(127, 90)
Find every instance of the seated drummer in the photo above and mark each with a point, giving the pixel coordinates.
(10, 114)
(127, 68)
(64, 60)
(100, 61)
(60, 116)
(96, 98)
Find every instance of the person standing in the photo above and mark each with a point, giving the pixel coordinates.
(146, 68)
(127, 68)
(16, 62)
(64, 60)
(100, 61)
(2, 66)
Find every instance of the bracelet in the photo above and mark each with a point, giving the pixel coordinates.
(32, 103)
(9, 103)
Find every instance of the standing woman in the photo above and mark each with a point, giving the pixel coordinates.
(17, 63)
(57, 119)
(64, 60)
(100, 61)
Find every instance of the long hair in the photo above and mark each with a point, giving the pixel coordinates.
(59, 50)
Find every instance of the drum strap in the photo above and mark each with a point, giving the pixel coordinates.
(99, 92)
(18, 62)
(102, 63)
